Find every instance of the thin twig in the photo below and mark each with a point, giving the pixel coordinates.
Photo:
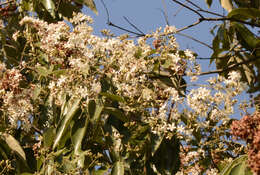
(126, 30)
(165, 12)
(134, 26)
(228, 68)
(116, 26)
(194, 39)
(37, 130)
(165, 17)
(230, 19)
(106, 10)
(189, 26)
(212, 13)
(202, 10)
(178, 10)
(189, 8)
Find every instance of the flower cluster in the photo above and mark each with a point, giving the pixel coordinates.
(146, 81)
(15, 101)
(248, 129)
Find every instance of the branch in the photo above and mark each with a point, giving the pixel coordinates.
(189, 26)
(230, 19)
(194, 39)
(229, 68)
(165, 12)
(202, 10)
(187, 7)
(134, 26)
(106, 10)
(126, 30)
(116, 26)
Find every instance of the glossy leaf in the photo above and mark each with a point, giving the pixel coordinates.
(237, 166)
(49, 6)
(78, 133)
(246, 37)
(36, 92)
(247, 13)
(48, 137)
(168, 163)
(241, 169)
(43, 71)
(98, 110)
(116, 112)
(209, 2)
(112, 96)
(73, 108)
(156, 142)
(89, 3)
(14, 145)
(118, 168)
(247, 70)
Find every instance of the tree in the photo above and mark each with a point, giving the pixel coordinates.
(72, 102)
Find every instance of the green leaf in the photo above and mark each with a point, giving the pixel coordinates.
(73, 107)
(209, 2)
(49, 6)
(169, 163)
(78, 133)
(43, 71)
(48, 137)
(227, 5)
(241, 169)
(36, 92)
(247, 13)
(237, 166)
(113, 97)
(116, 112)
(247, 70)
(14, 145)
(90, 4)
(118, 168)
(246, 37)
(101, 171)
(98, 110)
(66, 9)
(156, 142)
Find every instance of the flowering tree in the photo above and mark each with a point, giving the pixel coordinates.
(75, 103)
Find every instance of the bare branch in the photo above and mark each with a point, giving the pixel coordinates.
(126, 30)
(230, 19)
(189, 26)
(230, 67)
(187, 7)
(121, 28)
(106, 11)
(194, 39)
(134, 26)
(202, 10)
(165, 16)
(165, 12)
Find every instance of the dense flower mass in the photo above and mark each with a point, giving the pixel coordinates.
(248, 129)
(137, 82)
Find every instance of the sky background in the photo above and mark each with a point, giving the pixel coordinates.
(147, 15)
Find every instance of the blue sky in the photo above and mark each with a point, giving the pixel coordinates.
(147, 16)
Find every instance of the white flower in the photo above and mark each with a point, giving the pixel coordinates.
(189, 54)
(212, 171)
(169, 29)
(61, 80)
(194, 78)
